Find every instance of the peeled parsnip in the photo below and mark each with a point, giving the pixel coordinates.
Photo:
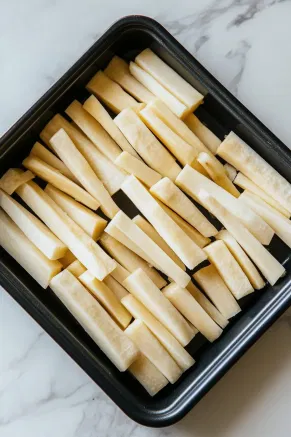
(13, 178)
(119, 273)
(148, 375)
(13, 240)
(76, 268)
(67, 259)
(118, 289)
(211, 141)
(230, 171)
(138, 168)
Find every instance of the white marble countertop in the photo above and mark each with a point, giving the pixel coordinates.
(245, 44)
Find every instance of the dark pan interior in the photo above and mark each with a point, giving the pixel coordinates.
(222, 113)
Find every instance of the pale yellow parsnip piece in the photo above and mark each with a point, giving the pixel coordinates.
(230, 171)
(138, 168)
(211, 141)
(148, 375)
(76, 268)
(13, 178)
(67, 259)
(118, 289)
(120, 273)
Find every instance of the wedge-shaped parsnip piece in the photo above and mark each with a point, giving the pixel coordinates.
(246, 264)
(188, 251)
(92, 223)
(148, 375)
(138, 168)
(235, 151)
(119, 273)
(211, 141)
(264, 260)
(95, 320)
(119, 291)
(146, 144)
(67, 259)
(166, 191)
(129, 260)
(171, 80)
(76, 268)
(192, 311)
(230, 171)
(139, 311)
(33, 228)
(72, 235)
(246, 184)
(118, 70)
(110, 93)
(213, 285)
(192, 182)
(13, 178)
(144, 290)
(13, 240)
(66, 149)
(217, 173)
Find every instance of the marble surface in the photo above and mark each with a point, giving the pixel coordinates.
(245, 43)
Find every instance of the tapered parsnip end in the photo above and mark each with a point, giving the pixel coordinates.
(13, 178)
(76, 268)
(67, 259)
(211, 141)
(148, 375)
(230, 171)
(136, 167)
(119, 291)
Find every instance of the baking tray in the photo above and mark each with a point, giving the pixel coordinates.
(222, 112)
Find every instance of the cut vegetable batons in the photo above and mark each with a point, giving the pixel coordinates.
(67, 259)
(58, 180)
(107, 298)
(211, 141)
(118, 70)
(264, 260)
(246, 184)
(217, 173)
(129, 260)
(92, 223)
(230, 171)
(144, 290)
(110, 93)
(139, 311)
(166, 191)
(192, 311)
(97, 110)
(66, 149)
(148, 375)
(33, 228)
(138, 168)
(13, 240)
(47, 156)
(146, 144)
(13, 178)
(237, 153)
(171, 80)
(76, 268)
(120, 273)
(118, 289)
(192, 182)
(95, 320)
(215, 288)
(72, 235)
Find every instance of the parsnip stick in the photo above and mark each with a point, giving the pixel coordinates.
(119, 291)
(146, 144)
(138, 168)
(95, 320)
(230, 171)
(192, 182)
(211, 141)
(13, 178)
(80, 244)
(246, 264)
(33, 228)
(67, 259)
(212, 284)
(129, 259)
(235, 151)
(76, 268)
(148, 375)
(119, 273)
(110, 93)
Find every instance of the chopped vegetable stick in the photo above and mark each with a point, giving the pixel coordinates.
(120, 273)
(235, 151)
(80, 244)
(35, 230)
(45, 155)
(67, 259)
(92, 223)
(119, 291)
(66, 149)
(58, 180)
(212, 284)
(192, 182)
(217, 173)
(19, 247)
(129, 259)
(107, 298)
(171, 80)
(148, 375)
(13, 178)
(230, 171)
(138, 168)
(143, 289)
(110, 93)
(95, 320)
(166, 191)
(246, 264)
(170, 343)
(97, 110)
(146, 144)
(192, 311)
(246, 184)
(76, 268)
(118, 70)
(266, 263)
(211, 141)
